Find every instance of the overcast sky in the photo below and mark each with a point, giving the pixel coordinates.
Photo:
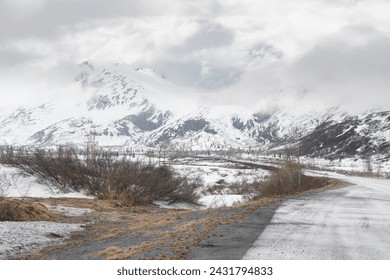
(256, 53)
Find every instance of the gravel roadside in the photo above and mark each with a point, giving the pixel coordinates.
(155, 233)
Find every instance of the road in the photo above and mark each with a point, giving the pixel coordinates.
(351, 222)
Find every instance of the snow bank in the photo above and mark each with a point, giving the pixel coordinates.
(21, 237)
(28, 186)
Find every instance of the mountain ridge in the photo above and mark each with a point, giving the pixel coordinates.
(122, 106)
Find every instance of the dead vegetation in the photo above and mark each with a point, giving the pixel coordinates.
(287, 179)
(119, 253)
(244, 188)
(153, 233)
(103, 175)
(19, 210)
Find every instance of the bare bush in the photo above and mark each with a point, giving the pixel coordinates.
(3, 186)
(289, 179)
(246, 188)
(104, 176)
(6, 182)
(237, 188)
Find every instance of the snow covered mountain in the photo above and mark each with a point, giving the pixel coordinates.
(123, 106)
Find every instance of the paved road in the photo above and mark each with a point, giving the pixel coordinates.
(352, 222)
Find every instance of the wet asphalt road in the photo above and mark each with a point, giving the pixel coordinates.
(351, 222)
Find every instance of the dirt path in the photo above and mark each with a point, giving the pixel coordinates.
(155, 233)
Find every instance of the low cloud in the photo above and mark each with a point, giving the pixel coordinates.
(209, 35)
(349, 68)
(252, 53)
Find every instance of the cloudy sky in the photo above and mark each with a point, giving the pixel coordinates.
(258, 53)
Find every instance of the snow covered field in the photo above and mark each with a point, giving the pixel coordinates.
(212, 172)
(21, 237)
(376, 165)
(219, 173)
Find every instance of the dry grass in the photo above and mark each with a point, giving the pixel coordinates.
(17, 210)
(95, 204)
(119, 253)
(161, 234)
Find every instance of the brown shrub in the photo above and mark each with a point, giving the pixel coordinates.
(16, 210)
(104, 176)
(288, 179)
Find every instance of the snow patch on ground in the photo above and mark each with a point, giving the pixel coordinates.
(210, 175)
(219, 173)
(376, 165)
(222, 200)
(21, 185)
(69, 211)
(21, 237)
(212, 172)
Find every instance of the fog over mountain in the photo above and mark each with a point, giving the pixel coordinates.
(257, 54)
(138, 108)
(203, 74)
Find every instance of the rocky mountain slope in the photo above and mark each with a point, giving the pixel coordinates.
(126, 107)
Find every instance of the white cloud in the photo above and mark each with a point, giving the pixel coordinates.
(25, 7)
(351, 67)
(246, 52)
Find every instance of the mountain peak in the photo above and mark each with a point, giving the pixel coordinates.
(138, 106)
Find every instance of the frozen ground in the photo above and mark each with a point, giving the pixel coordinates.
(219, 173)
(19, 185)
(21, 237)
(351, 222)
(69, 211)
(376, 165)
(210, 174)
